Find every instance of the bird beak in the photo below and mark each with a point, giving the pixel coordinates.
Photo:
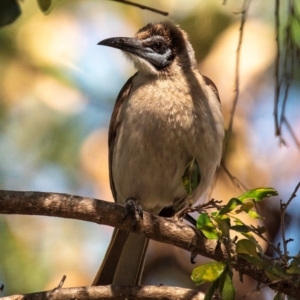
(131, 45)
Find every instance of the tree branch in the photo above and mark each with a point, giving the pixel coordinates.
(170, 231)
(141, 6)
(114, 293)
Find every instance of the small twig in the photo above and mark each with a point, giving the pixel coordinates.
(277, 84)
(142, 6)
(290, 129)
(245, 9)
(287, 61)
(253, 229)
(283, 208)
(259, 287)
(237, 182)
(62, 282)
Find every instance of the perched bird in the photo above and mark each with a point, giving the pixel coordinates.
(166, 115)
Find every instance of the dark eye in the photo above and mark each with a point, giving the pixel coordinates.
(158, 47)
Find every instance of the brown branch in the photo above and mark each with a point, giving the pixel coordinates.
(283, 208)
(277, 84)
(114, 293)
(141, 6)
(164, 230)
(245, 9)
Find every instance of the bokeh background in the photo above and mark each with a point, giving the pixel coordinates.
(57, 91)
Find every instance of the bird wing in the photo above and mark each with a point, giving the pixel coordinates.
(212, 86)
(113, 129)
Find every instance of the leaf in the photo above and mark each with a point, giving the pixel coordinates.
(246, 247)
(231, 205)
(10, 11)
(191, 177)
(251, 238)
(279, 296)
(223, 225)
(294, 267)
(261, 229)
(240, 228)
(276, 272)
(226, 287)
(211, 290)
(256, 261)
(254, 215)
(245, 207)
(44, 5)
(208, 272)
(207, 227)
(258, 194)
(247, 250)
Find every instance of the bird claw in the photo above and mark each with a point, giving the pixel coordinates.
(133, 210)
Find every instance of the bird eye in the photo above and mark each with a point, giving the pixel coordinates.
(158, 47)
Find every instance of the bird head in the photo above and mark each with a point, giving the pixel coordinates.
(156, 48)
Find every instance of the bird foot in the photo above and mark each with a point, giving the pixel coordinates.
(133, 210)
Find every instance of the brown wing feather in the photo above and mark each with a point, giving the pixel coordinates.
(113, 129)
(211, 84)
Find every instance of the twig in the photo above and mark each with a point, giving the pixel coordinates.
(236, 181)
(141, 6)
(62, 282)
(283, 208)
(245, 9)
(291, 131)
(277, 84)
(259, 288)
(287, 61)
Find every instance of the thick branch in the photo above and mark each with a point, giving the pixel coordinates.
(114, 293)
(107, 213)
(164, 230)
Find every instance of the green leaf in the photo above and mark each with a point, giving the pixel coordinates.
(261, 229)
(276, 272)
(227, 289)
(294, 267)
(258, 194)
(207, 227)
(211, 290)
(251, 238)
(256, 261)
(191, 177)
(44, 5)
(223, 225)
(208, 272)
(279, 296)
(240, 228)
(245, 207)
(254, 215)
(231, 205)
(247, 250)
(246, 247)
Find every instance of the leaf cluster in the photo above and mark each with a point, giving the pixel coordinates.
(219, 225)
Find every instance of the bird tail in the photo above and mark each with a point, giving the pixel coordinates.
(124, 260)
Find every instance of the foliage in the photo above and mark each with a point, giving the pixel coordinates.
(219, 224)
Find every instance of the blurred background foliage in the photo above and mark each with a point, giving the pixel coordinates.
(57, 91)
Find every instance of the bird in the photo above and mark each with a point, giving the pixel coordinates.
(166, 115)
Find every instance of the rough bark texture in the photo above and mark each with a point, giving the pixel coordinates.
(170, 231)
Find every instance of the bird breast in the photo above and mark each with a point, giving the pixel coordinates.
(164, 124)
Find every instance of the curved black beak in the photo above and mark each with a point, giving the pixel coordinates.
(131, 45)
